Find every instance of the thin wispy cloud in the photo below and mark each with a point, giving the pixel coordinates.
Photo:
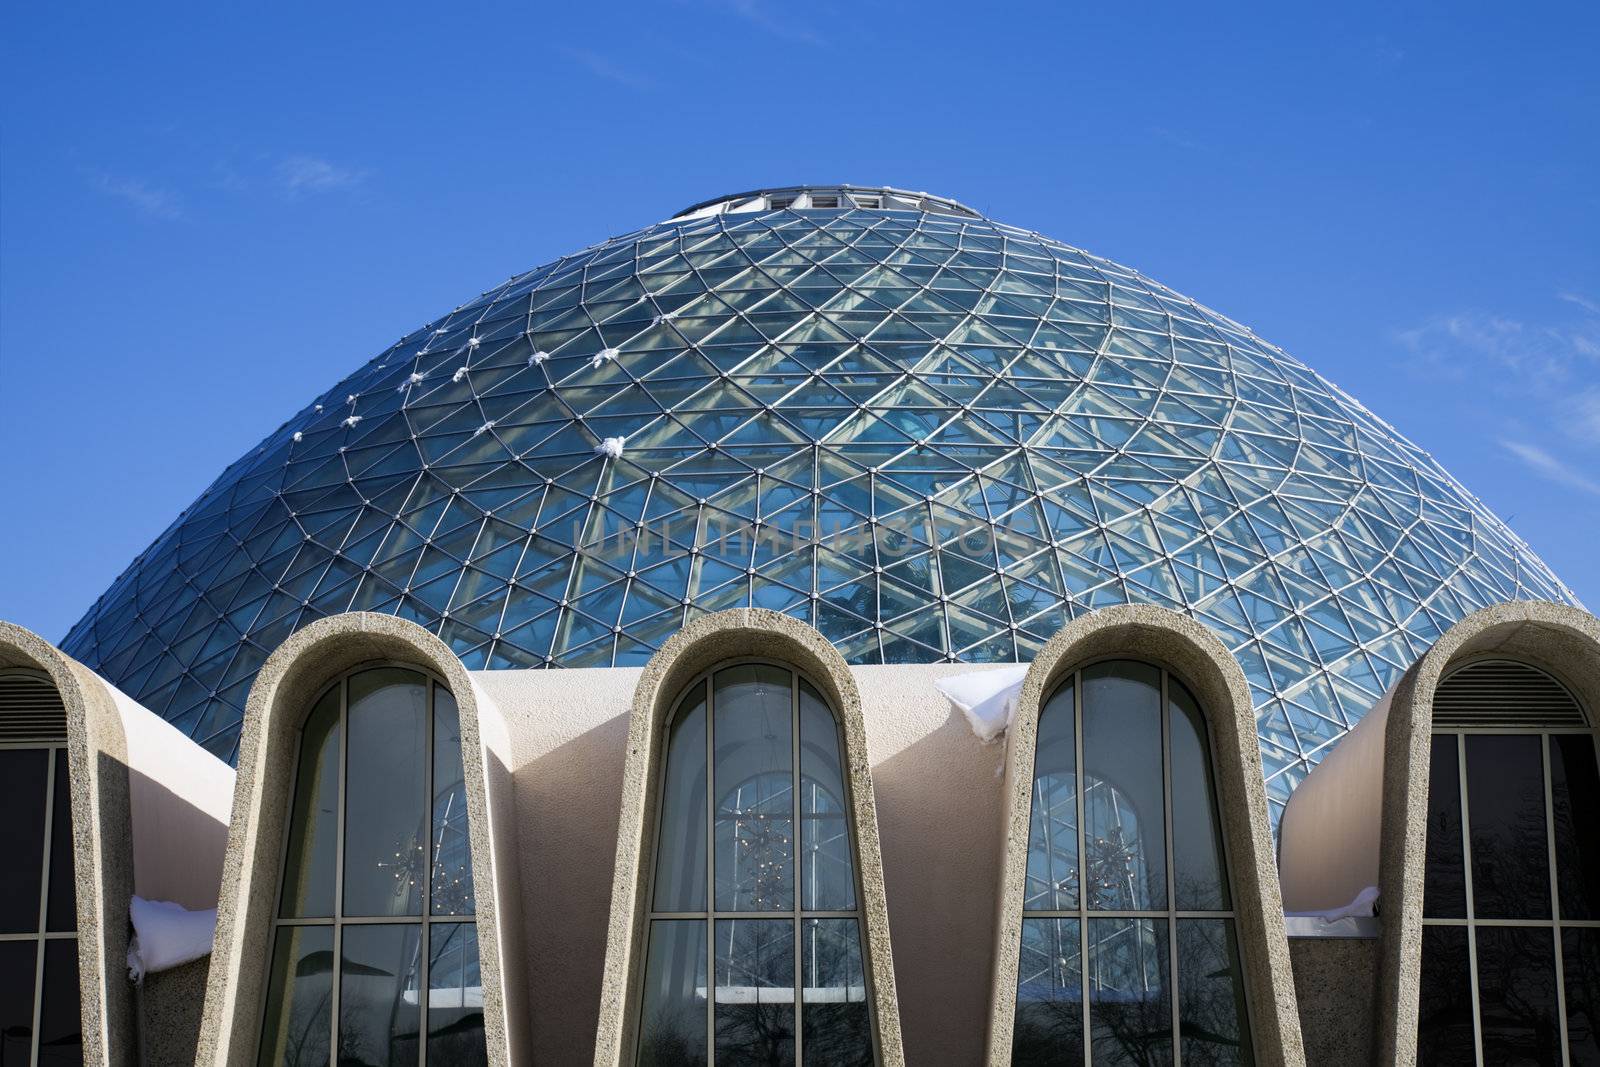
(609, 70)
(1550, 468)
(149, 201)
(302, 175)
(785, 22)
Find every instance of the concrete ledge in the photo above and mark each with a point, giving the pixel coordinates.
(1194, 654)
(102, 855)
(1563, 640)
(279, 700)
(711, 639)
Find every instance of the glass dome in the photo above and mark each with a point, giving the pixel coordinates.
(932, 436)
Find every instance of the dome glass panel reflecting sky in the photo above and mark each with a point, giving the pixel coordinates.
(931, 436)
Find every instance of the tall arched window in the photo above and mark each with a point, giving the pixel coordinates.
(40, 1013)
(1511, 892)
(375, 953)
(754, 883)
(1131, 901)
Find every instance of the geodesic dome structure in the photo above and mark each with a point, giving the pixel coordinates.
(929, 435)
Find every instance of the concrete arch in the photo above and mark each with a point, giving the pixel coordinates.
(1561, 640)
(1194, 654)
(711, 639)
(279, 700)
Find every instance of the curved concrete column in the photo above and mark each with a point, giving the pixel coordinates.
(709, 640)
(102, 854)
(1563, 641)
(279, 701)
(1194, 654)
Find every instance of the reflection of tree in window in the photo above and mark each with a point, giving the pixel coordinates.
(1152, 913)
(779, 930)
(374, 933)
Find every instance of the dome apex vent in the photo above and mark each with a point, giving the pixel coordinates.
(828, 198)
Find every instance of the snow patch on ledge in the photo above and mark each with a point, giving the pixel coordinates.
(987, 698)
(166, 935)
(1359, 918)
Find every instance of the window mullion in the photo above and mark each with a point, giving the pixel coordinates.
(44, 898)
(711, 871)
(338, 871)
(1472, 915)
(1172, 881)
(796, 862)
(1555, 897)
(425, 932)
(1082, 802)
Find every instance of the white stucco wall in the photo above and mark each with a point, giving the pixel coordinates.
(939, 811)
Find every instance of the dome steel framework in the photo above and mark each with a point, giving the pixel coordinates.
(933, 437)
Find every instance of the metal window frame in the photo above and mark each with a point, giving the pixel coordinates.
(1171, 914)
(338, 921)
(710, 916)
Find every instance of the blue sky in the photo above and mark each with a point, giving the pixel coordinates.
(208, 215)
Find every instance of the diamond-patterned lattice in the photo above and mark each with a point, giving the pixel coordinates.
(931, 437)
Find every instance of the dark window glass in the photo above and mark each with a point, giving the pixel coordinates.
(385, 823)
(755, 992)
(681, 846)
(1580, 966)
(1197, 863)
(1212, 1020)
(1444, 892)
(837, 1028)
(60, 1014)
(18, 960)
(1130, 999)
(314, 826)
(1517, 995)
(23, 777)
(1575, 792)
(1124, 801)
(379, 983)
(753, 734)
(672, 1017)
(62, 910)
(827, 871)
(1052, 878)
(299, 998)
(1048, 1029)
(455, 997)
(1444, 1006)
(1505, 807)
(452, 847)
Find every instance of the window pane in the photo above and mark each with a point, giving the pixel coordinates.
(1052, 880)
(1580, 966)
(755, 992)
(1197, 864)
(455, 997)
(1575, 786)
(299, 997)
(23, 778)
(1211, 1012)
(1049, 1022)
(17, 962)
(452, 849)
(1505, 809)
(827, 874)
(314, 826)
(379, 982)
(1517, 995)
(1444, 888)
(681, 845)
(60, 1016)
(385, 825)
(1130, 1006)
(833, 998)
(63, 907)
(672, 1021)
(1124, 804)
(752, 731)
(1444, 1005)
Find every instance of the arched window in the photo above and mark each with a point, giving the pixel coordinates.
(1511, 891)
(375, 951)
(1130, 902)
(40, 1014)
(754, 883)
